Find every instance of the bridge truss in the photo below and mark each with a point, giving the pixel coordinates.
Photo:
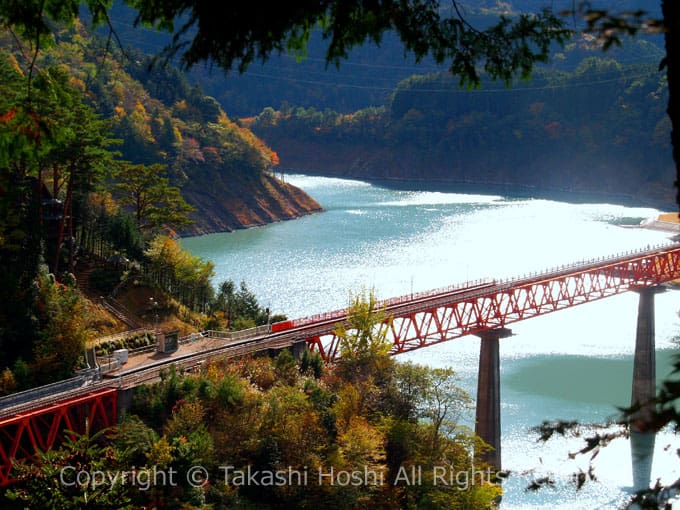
(23, 435)
(413, 322)
(480, 308)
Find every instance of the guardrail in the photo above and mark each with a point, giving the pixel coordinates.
(84, 378)
(120, 312)
(45, 400)
(109, 364)
(471, 284)
(238, 335)
(586, 263)
(90, 378)
(342, 313)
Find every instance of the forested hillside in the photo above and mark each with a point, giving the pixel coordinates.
(382, 115)
(600, 129)
(371, 72)
(222, 169)
(102, 160)
(278, 433)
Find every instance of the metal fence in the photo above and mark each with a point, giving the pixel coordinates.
(84, 378)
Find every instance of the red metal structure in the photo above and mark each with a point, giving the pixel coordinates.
(437, 316)
(415, 321)
(23, 435)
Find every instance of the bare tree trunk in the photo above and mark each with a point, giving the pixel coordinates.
(71, 245)
(62, 225)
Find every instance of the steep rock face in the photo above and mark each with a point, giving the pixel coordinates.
(227, 206)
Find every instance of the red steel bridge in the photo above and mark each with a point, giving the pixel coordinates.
(427, 318)
(414, 321)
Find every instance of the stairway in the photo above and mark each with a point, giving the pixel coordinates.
(120, 312)
(83, 278)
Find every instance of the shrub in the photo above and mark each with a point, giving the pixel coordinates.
(104, 280)
(132, 342)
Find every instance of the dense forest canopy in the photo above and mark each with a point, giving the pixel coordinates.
(239, 423)
(98, 150)
(542, 135)
(372, 71)
(469, 39)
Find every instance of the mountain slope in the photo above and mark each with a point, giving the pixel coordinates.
(225, 207)
(601, 129)
(221, 168)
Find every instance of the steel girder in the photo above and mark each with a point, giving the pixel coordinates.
(24, 434)
(503, 303)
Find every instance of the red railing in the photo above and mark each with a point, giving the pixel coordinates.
(415, 320)
(444, 314)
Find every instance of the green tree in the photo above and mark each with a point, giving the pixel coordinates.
(123, 235)
(56, 139)
(610, 26)
(424, 430)
(77, 163)
(445, 404)
(430, 394)
(62, 332)
(364, 344)
(154, 201)
(133, 440)
(176, 271)
(240, 307)
(53, 149)
(53, 478)
(286, 368)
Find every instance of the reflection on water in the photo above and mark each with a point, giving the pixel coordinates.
(575, 364)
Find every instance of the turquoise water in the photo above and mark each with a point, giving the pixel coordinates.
(575, 364)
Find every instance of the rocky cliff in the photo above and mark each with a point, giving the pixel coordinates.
(226, 206)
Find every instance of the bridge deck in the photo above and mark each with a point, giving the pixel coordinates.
(426, 318)
(415, 321)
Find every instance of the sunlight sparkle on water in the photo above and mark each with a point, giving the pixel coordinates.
(574, 364)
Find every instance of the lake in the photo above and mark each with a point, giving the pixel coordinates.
(574, 364)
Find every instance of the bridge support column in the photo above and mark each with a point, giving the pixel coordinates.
(644, 390)
(488, 418)
(124, 401)
(298, 349)
(644, 364)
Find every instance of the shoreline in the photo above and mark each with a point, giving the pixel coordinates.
(509, 189)
(206, 232)
(661, 224)
(245, 205)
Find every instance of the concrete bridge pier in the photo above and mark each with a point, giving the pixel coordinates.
(642, 438)
(298, 349)
(488, 417)
(123, 401)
